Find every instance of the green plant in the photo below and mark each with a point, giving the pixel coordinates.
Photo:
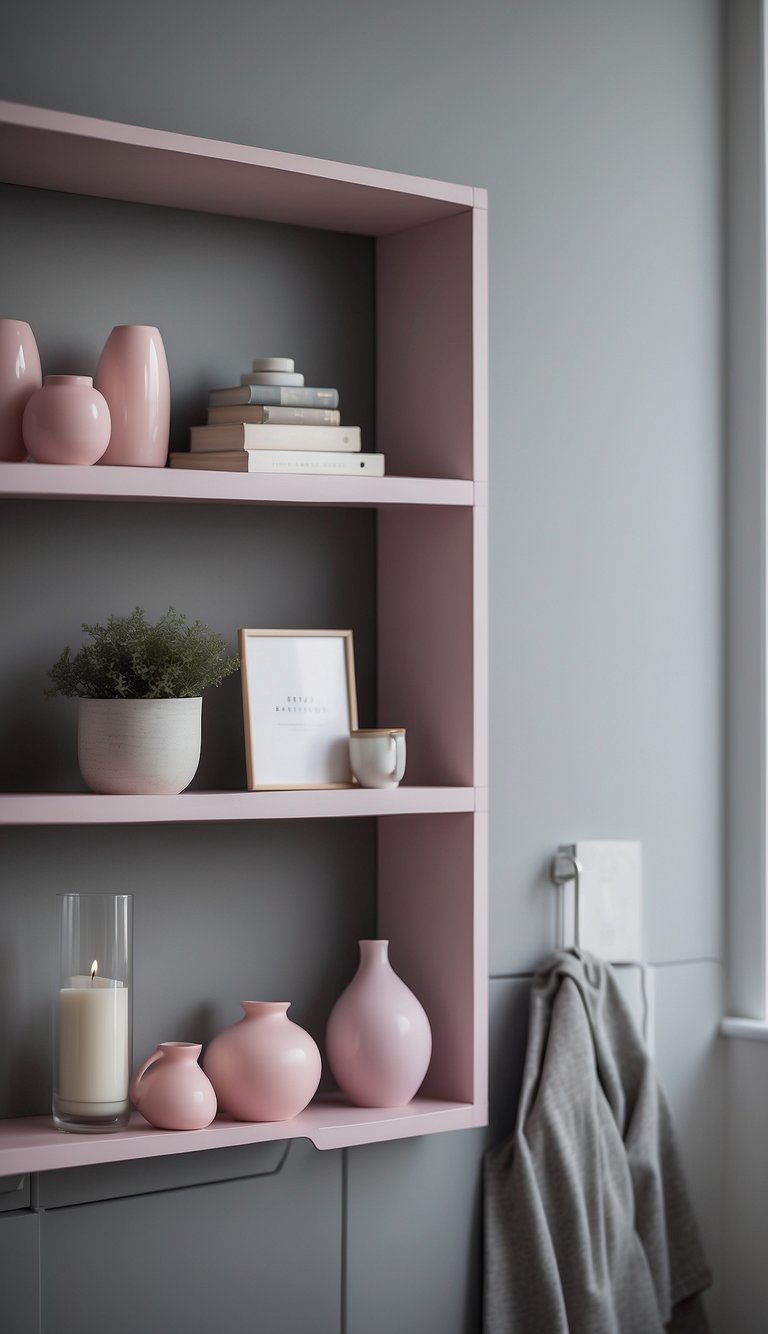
(130, 659)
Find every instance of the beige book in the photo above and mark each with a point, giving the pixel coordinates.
(245, 412)
(266, 435)
(305, 462)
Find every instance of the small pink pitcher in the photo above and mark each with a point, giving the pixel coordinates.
(171, 1091)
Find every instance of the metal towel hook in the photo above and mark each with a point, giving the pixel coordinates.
(560, 876)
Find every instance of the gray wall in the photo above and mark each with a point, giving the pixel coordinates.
(745, 1205)
(595, 127)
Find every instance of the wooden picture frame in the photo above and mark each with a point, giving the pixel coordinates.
(299, 707)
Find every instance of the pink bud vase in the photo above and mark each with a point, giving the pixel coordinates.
(20, 376)
(132, 374)
(378, 1039)
(67, 421)
(263, 1068)
(171, 1091)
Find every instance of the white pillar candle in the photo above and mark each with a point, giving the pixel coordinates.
(93, 1069)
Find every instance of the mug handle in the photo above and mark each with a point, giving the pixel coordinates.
(392, 750)
(133, 1091)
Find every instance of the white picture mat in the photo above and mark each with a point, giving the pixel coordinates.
(298, 709)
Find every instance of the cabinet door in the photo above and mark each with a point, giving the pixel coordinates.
(414, 1212)
(260, 1254)
(19, 1274)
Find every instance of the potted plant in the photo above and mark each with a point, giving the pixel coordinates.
(140, 690)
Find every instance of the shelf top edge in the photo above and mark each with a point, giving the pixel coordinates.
(45, 481)
(34, 1145)
(40, 808)
(81, 154)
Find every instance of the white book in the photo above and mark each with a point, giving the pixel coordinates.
(273, 364)
(301, 461)
(269, 435)
(273, 377)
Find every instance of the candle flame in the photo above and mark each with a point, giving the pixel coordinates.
(94, 969)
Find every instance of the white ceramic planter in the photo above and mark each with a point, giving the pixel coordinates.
(139, 747)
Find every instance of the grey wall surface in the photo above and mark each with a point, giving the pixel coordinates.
(745, 1205)
(595, 127)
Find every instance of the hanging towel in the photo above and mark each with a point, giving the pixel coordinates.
(589, 1227)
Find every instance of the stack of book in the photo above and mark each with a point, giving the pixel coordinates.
(273, 422)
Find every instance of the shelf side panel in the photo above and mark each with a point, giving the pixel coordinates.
(425, 640)
(431, 915)
(480, 342)
(424, 341)
(481, 649)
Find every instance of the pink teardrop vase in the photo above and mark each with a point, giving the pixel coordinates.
(171, 1091)
(263, 1068)
(378, 1040)
(20, 376)
(132, 374)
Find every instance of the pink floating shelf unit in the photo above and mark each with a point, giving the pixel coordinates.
(431, 531)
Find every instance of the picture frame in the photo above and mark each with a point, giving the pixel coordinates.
(299, 707)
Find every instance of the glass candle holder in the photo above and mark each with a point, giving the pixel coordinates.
(92, 1039)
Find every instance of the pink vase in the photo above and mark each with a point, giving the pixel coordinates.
(171, 1091)
(263, 1068)
(132, 374)
(378, 1039)
(20, 376)
(67, 421)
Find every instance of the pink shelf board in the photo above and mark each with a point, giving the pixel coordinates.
(44, 481)
(35, 1145)
(87, 808)
(77, 154)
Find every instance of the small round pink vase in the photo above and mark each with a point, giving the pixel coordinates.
(20, 376)
(171, 1091)
(378, 1039)
(132, 374)
(67, 421)
(263, 1068)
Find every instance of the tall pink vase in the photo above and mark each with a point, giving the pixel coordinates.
(378, 1041)
(263, 1068)
(132, 374)
(20, 376)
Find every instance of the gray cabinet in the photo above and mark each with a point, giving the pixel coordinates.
(259, 1255)
(19, 1271)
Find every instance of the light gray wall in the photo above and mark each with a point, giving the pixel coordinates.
(745, 1204)
(595, 127)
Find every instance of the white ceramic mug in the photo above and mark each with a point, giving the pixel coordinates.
(377, 756)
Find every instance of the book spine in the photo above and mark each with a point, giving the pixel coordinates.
(282, 461)
(277, 395)
(303, 416)
(346, 465)
(252, 413)
(250, 435)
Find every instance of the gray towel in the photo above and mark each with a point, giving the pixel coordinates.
(589, 1227)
